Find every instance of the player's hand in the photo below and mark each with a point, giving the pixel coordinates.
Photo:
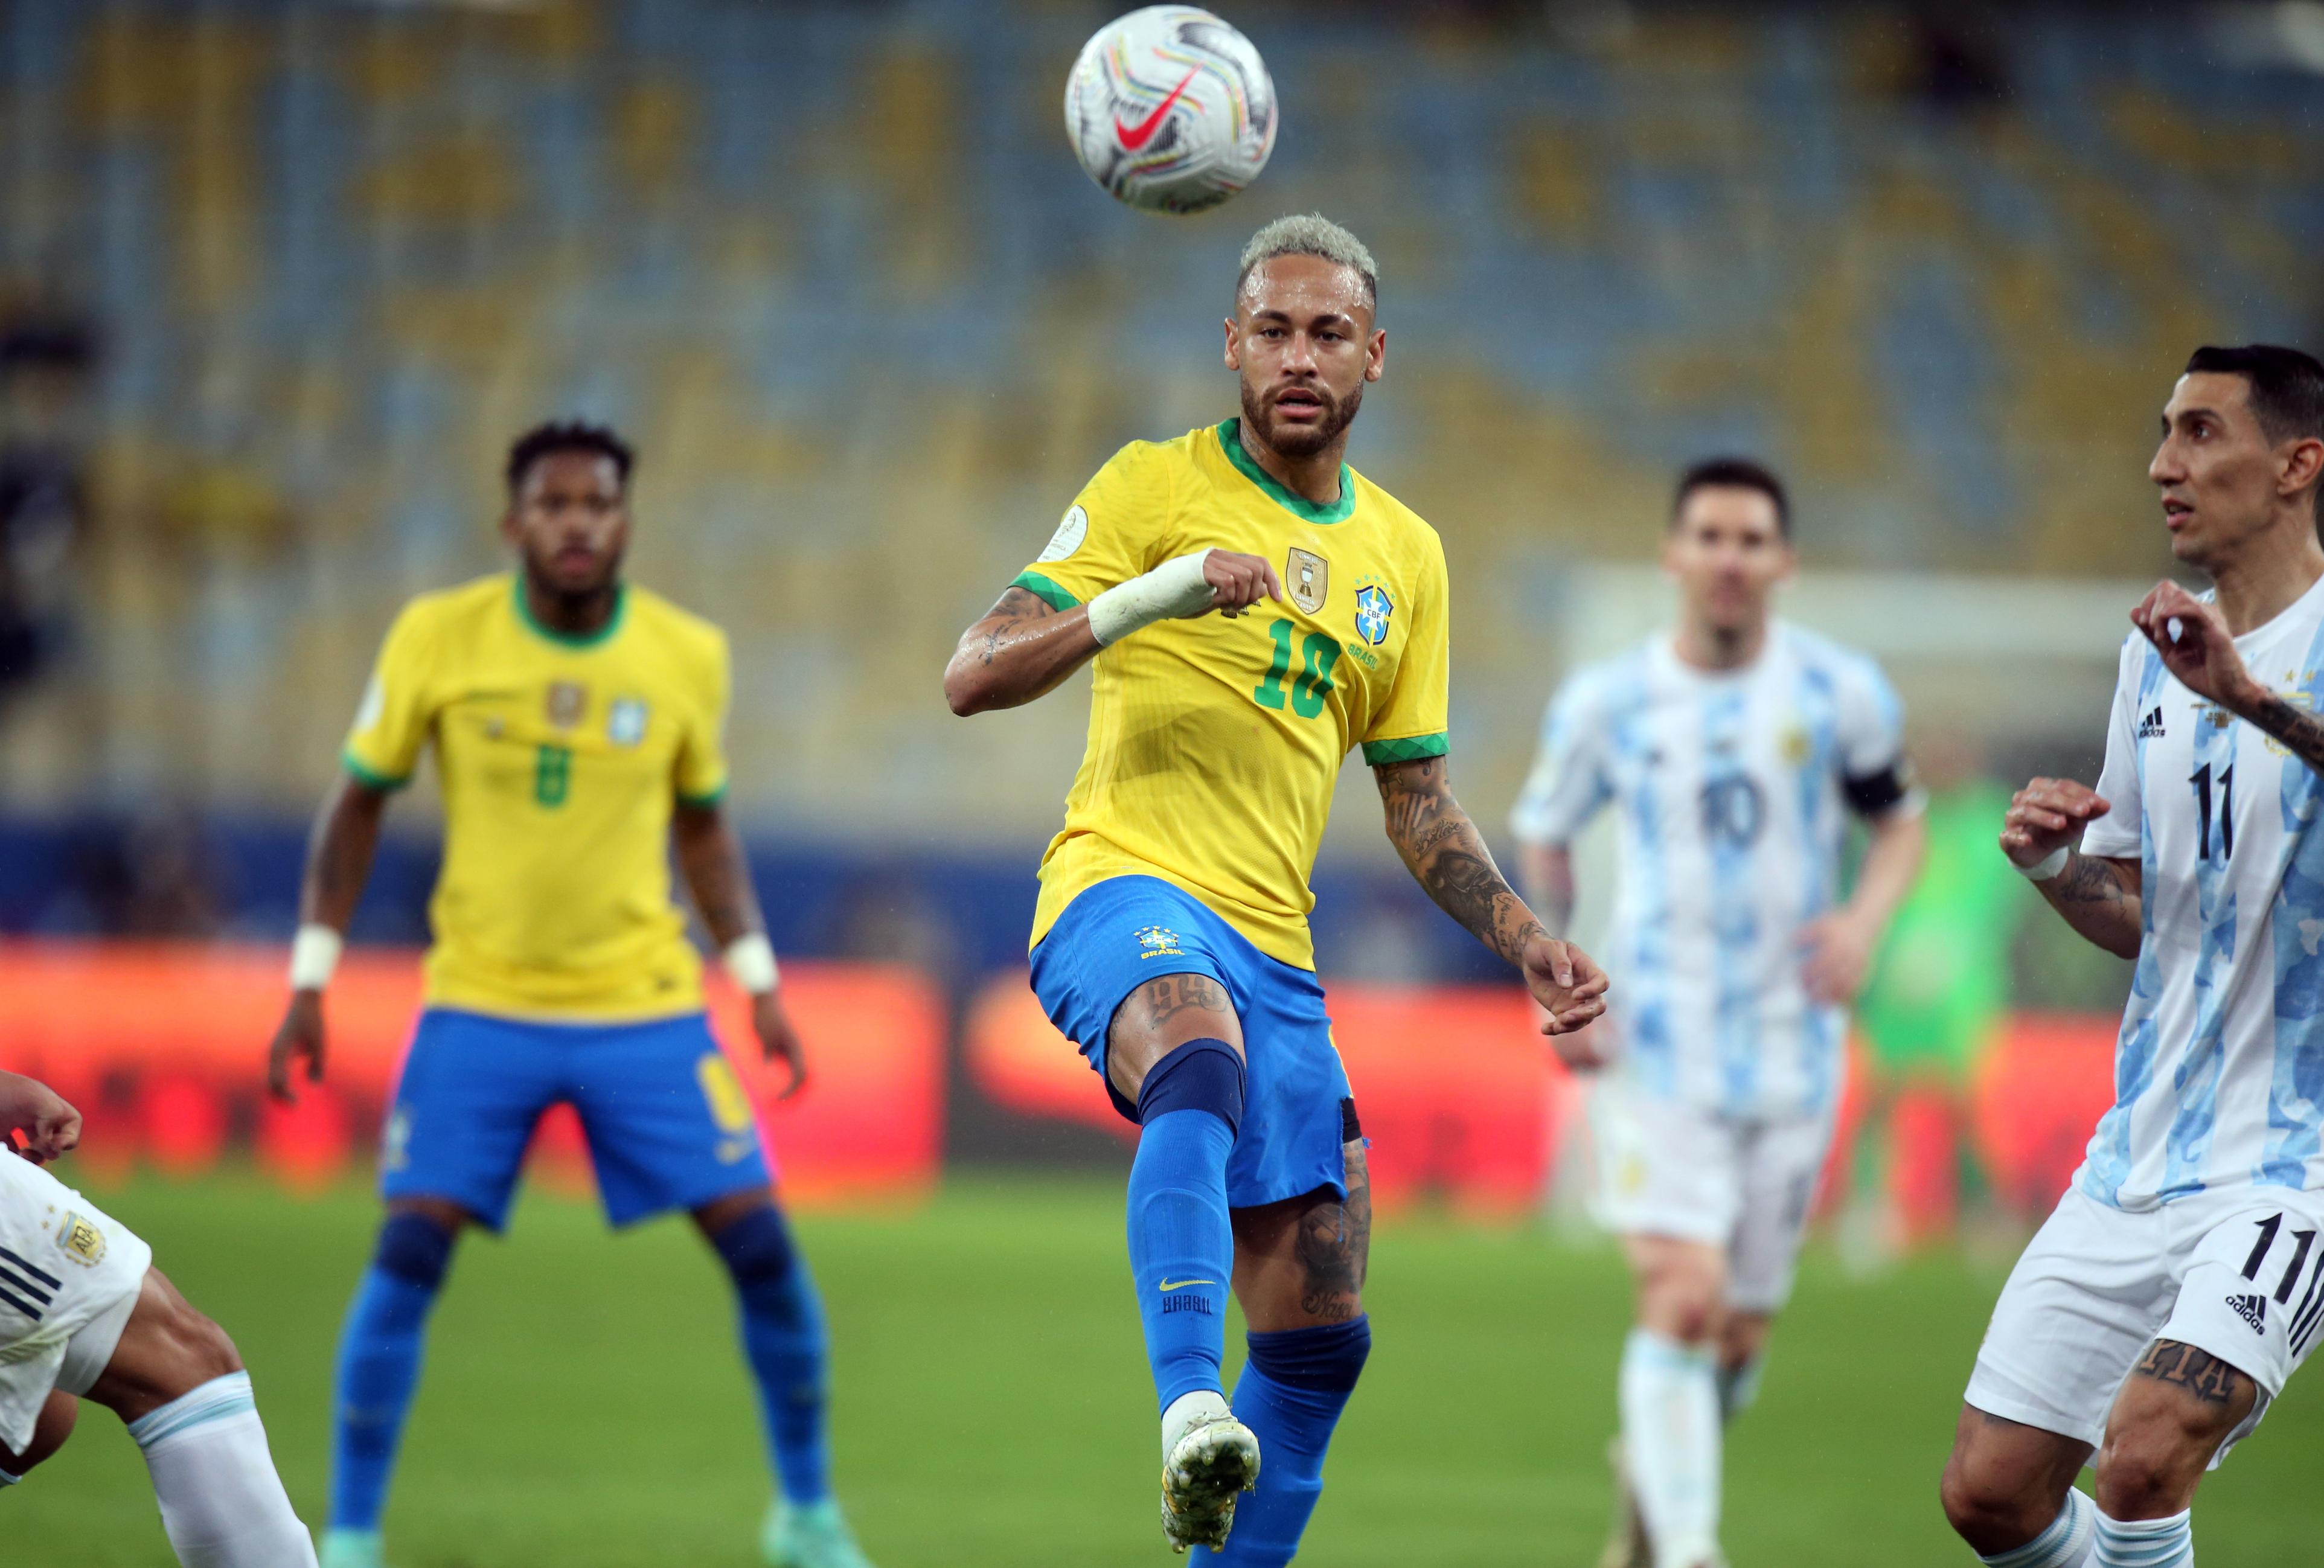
(1836, 953)
(779, 1040)
(1571, 989)
(35, 1122)
(2048, 816)
(2196, 646)
(1239, 581)
(300, 1039)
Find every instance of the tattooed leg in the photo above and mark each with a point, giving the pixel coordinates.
(1302, 1262)
(2174, 1410)
(1159, 1017)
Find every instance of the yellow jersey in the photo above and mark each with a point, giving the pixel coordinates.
(560, 759)
(1214, 744)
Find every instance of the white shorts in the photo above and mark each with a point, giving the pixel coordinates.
(1667, 1168)
(69, 1276)
(2237, 1272)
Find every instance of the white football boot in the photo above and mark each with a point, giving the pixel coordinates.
(1214, 1462)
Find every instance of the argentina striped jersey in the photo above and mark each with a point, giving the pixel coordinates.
(2219, 1067)
(1733, 790)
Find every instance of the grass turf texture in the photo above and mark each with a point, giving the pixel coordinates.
(585, 1403)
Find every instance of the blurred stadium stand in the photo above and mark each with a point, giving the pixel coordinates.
(832, 266)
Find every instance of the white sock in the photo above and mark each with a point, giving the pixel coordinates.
(1185, 1410)
(2066, 1544)
(1670, 1427)
(222, 1504)
(2146, 1542)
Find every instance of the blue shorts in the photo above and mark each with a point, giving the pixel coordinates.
(668, 1123)
(1298, 1114)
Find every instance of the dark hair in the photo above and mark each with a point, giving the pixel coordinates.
(568, 435)
(1734, 473)
(2286, 386)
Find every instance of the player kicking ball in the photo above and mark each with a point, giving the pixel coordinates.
(1255, 609)
(1737, 747)
(84, 1314)
(2179, 1283)
(576, 720)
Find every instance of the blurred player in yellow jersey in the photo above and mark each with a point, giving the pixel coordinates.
(576, 720)
(1255, 609)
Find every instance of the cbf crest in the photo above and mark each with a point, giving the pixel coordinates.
(1309, 578)
(1373, 610)
(625, 721)
(1157, 942)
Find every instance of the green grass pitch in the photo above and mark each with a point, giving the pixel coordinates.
(585, 1403)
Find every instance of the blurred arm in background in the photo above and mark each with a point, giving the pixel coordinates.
(1546, 869)
(717, 872)
(1839, 945)
(339, 862)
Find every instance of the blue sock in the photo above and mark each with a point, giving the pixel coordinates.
(1181, 1244)
(783, 1338)
(1290, 1394)
(379, 1363)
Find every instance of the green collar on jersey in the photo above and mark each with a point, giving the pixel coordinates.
(570, 638)
(1298, 506)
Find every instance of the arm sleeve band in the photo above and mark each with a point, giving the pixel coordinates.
(1172, 591)
(1874, 794)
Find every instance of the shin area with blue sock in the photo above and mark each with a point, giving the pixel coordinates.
(1181, 1243)
(2068, 1543)
(1291, 1393)
(2145, 1542)
(783, 1339)
(379, 1363)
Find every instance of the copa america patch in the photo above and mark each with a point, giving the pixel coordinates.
(1072, 529)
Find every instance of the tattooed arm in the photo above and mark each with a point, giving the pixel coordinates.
(1447, 857)
(1022, 649)
(2098, 897)
(2197, 646)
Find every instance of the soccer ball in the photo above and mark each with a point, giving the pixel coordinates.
(1170, 109)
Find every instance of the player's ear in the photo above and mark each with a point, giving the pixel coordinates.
(1376, 355)
(1234, 350)
(509, 531)
(2304, 464)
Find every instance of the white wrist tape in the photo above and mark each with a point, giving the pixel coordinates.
(2048, 866)
(751, 964)
(1173, 591)
(314, 955)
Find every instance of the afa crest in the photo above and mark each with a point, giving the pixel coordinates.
(1373, 608)
(1158, 941)
(81, 1240)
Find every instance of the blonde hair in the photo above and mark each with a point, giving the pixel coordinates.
(1311, 234)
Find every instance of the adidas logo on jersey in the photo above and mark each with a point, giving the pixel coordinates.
(2252, 1309)
(2149, 727)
